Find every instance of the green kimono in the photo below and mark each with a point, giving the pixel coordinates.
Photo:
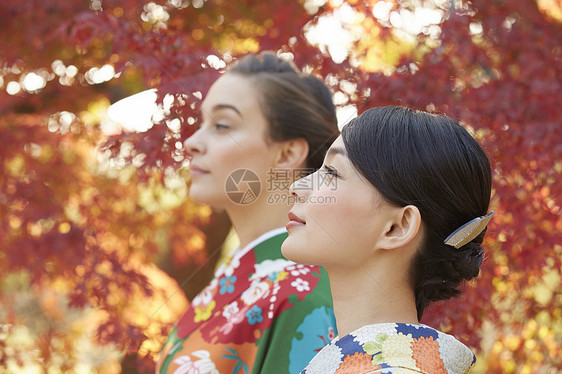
(260, 314)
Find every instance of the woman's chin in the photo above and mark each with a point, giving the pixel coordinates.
(287, 248)
(201, 195)
(291, 250)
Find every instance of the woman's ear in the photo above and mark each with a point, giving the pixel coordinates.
(402, 228)
(292, 154)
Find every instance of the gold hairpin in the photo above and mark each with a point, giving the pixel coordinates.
(468, 231)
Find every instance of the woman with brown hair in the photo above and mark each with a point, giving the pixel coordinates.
(264, 125)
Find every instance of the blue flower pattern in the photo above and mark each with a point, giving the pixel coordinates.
(254, 315)
(227, 284)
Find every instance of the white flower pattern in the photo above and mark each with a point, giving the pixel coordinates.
(256, 291)
(204, 297)
(204, 364)
(300, 270)
(228, 267)
(268, 267)
(451, 355)
(230, 310)
(300, 284)
(366, 333)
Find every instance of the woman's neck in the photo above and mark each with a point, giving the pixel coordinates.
(363, 297)
(252, 220)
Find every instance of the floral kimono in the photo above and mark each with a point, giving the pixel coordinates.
(260, 314)
(393, 348)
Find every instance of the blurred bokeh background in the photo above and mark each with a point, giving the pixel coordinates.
(101, 248)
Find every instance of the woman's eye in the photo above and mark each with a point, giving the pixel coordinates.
(220, 126)
(330, 171)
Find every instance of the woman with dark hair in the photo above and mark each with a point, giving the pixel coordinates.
(264, 125)
(402, 228)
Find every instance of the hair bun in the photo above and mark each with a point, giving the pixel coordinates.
(438, 289)
(470, 258)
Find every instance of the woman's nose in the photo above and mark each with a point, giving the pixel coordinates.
(301, 188)
(195, 143)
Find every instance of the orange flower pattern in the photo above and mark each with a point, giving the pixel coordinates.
(425, 351)
(393, 348)
(357, 363)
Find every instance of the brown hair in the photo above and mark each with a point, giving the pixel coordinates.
(296, 105)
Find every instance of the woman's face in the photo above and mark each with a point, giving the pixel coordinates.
(232, 136)
(341, 215)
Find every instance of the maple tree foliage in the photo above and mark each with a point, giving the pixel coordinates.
(85, 216)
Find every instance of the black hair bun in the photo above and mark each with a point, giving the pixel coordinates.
(469, 260)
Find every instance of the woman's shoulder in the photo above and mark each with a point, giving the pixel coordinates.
(386, 347)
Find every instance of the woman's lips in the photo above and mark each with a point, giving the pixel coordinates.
(294, 221)
(293, 217)
(195, 170)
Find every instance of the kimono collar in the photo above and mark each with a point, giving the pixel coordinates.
(238, 253)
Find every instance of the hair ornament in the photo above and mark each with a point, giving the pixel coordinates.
(468, 231)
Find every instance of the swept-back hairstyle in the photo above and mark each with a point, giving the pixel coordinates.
(296, 105)
(430, 161)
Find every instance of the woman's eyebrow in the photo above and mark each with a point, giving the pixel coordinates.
(227, 106)
(332, 151)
